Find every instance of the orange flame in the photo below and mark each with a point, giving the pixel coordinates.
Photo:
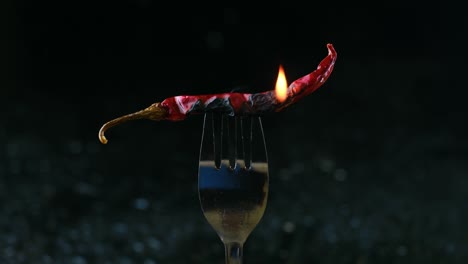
(281, 89)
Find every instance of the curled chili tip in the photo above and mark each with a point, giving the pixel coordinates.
(331, 49)
(155, 112)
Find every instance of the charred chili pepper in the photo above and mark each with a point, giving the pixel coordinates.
(177, 108)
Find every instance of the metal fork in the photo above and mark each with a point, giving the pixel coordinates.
(233, 178)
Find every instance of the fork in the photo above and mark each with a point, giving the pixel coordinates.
(233, 178)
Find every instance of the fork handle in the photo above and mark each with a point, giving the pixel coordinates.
(234, 253)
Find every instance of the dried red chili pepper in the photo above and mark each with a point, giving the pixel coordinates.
(177, 108)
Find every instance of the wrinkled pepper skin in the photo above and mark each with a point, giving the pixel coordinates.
(179, 107)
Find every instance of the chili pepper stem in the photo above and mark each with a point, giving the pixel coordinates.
(154, 112)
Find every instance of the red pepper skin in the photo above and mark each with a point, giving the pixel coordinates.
(312, 81)
(179, 107)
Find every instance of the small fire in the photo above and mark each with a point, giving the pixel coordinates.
(281, 88)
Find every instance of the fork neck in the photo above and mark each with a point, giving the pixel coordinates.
(234, 252)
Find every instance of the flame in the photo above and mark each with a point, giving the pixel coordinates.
(281, 89)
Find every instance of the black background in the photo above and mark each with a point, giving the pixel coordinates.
(371, 168)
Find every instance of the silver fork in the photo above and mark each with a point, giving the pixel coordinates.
(233, 178)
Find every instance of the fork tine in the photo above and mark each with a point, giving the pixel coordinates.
(210, 149)
(257, 143)
(247, 141)
(235, 140)
(232, 141)
(217, 127)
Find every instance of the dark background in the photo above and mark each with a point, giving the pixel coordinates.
(371, 168)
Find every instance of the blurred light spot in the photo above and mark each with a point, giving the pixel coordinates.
(173, 234)
(78, 260)
(155, 244)
(85, 189)
(120, 229)
(214, 40)
(138, 247)
(340, 175)
(11, 239)
(125, 260)
(450, 248)
(141, 203)
(64, 246)
(402, 251)
(330, 234)
(308, 220)
(355, 222)
(75, 147)
(9, 252)
(99, 249)
(149, 261)
(327, 165)
(46, 259)
(86, 231)
(365, 237)
(74, 234)
(289, 227)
